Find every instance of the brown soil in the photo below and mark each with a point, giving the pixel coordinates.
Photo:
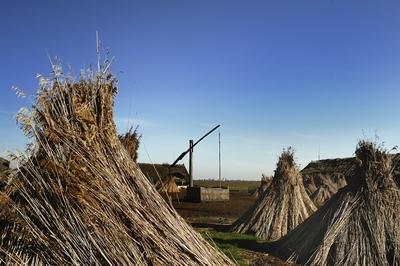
(214, 212)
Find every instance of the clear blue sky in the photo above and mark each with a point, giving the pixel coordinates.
(274, 73)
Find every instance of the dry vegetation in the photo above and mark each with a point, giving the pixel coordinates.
(78, 197)
(283, 205)
(4, 172)
(131, 140)
(360, 225)
(323, 178)
(265, 181)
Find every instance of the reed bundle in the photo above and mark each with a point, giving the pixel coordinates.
(360, 225)
(283, 205)
(78, 197)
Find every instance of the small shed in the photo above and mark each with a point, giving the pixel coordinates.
(155, 171)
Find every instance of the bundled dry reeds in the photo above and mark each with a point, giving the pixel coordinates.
(131, 140)
(326, 187)
(4, 172)
(283, 206)
(169, 186)
(78, 197)
(265, 181)
(322, 194)
(323, 178)
(4, 164)
(360, 225)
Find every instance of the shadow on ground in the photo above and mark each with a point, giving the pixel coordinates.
(214, 226)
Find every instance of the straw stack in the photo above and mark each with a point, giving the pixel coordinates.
(79, 198)
(360, 225)
(283, 206)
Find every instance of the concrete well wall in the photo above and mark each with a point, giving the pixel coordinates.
(203, 194)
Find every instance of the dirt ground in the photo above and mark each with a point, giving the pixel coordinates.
(218, 216)
(215, 212)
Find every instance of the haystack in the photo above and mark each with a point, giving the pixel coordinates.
(323, 178)
(265, 181)
(131, 140)
(4, 172)
(360, 225)
(326, 187)
(4, 164)
(79, 198)
(282, 207)
(169, 186)
(322, 194)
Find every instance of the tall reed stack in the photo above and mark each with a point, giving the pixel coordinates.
(78, 197)
(360, 225)
(283, 205)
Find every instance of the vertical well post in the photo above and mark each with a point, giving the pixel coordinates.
(219, 158)
(191, 163)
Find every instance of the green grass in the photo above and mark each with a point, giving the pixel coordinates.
(228, 243)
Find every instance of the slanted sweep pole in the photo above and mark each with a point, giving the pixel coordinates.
(190, 148)
(190, 151)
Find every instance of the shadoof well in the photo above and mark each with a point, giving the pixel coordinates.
(202, 194)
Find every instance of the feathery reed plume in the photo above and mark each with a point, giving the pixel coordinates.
(131, 141)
